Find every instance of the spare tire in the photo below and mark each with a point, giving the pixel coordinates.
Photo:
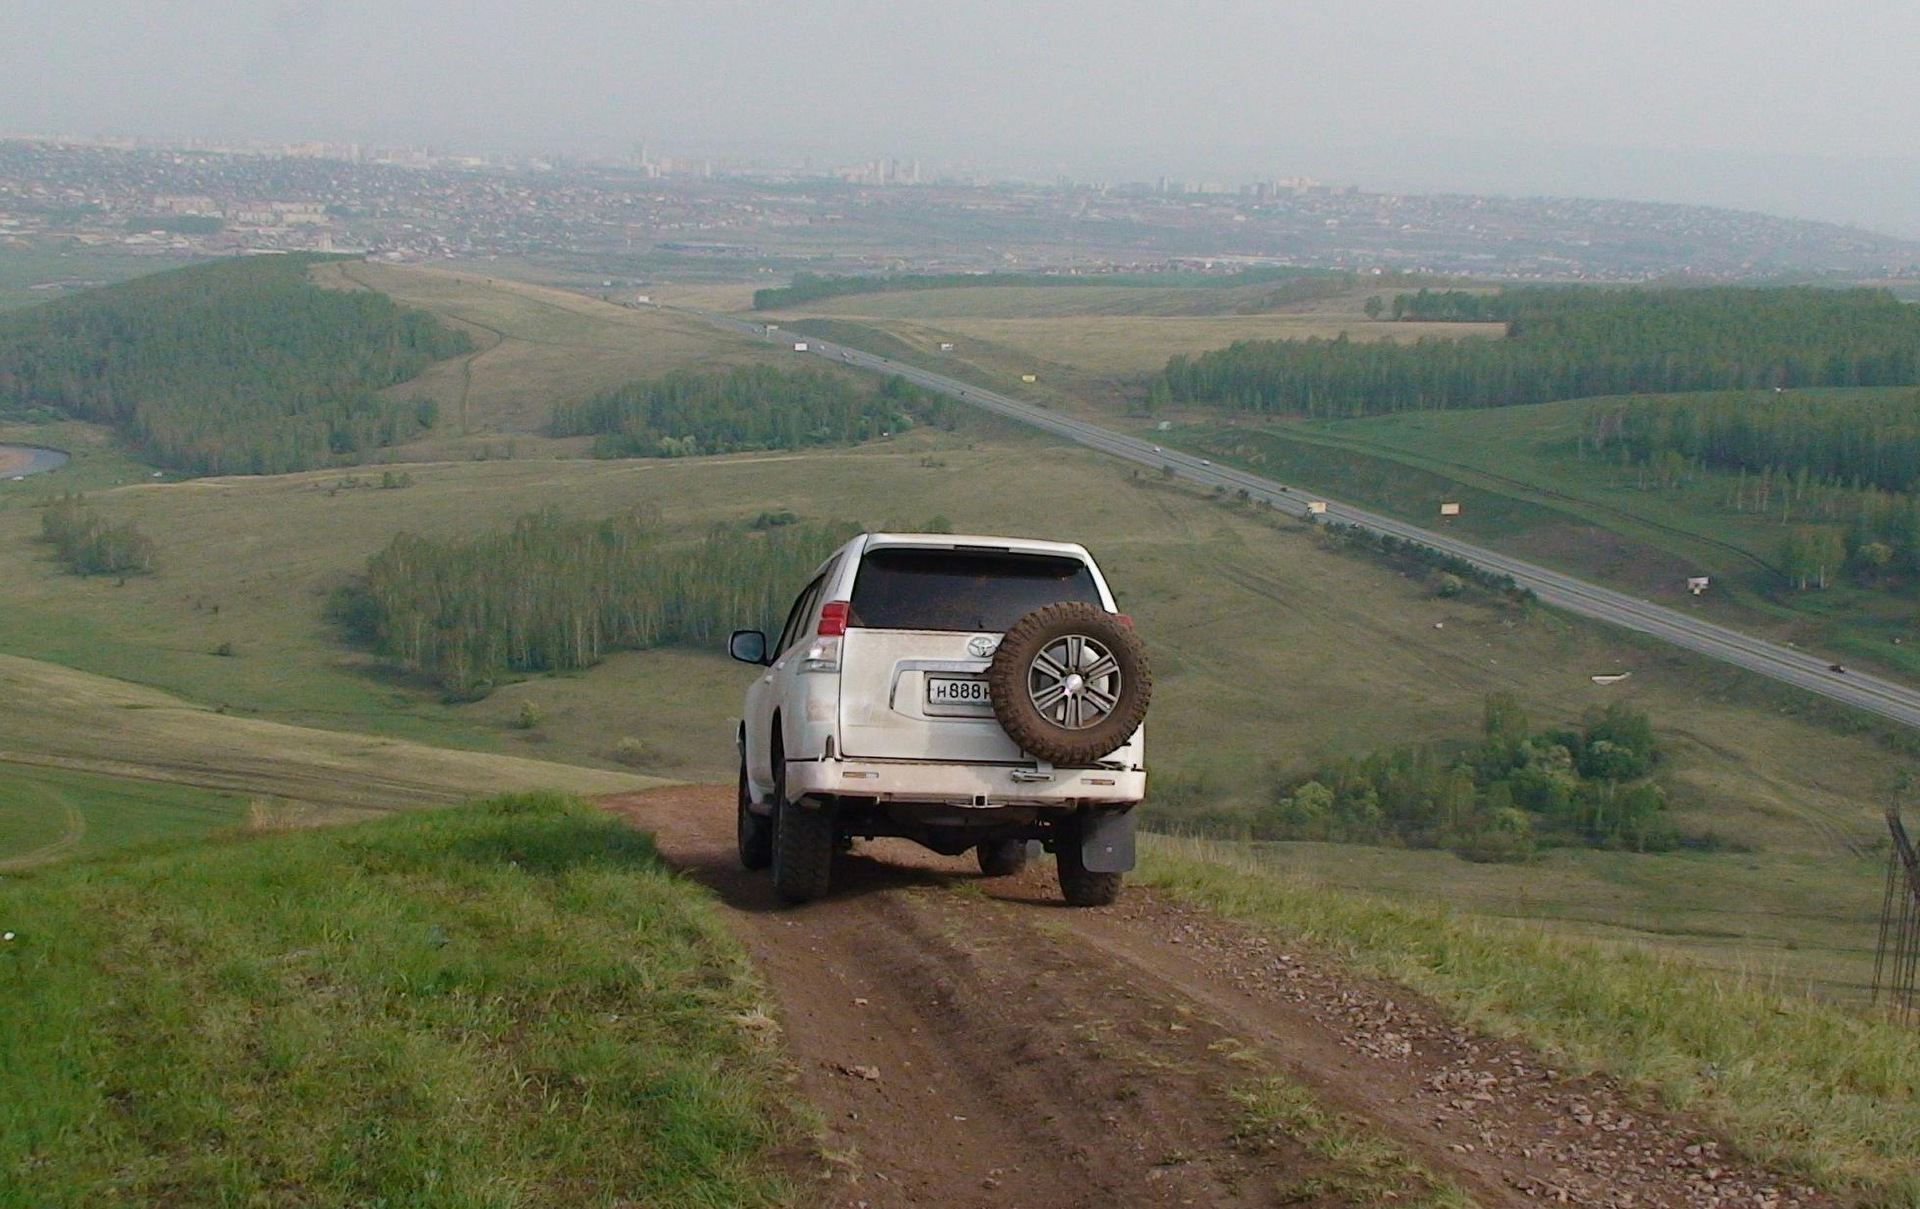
(1070, 682)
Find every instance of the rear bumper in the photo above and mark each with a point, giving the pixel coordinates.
(965, 785)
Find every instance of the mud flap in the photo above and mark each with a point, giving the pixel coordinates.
(1106, 842)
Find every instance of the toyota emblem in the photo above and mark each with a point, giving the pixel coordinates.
(982, 646)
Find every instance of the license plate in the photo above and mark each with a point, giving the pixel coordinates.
(957, 690)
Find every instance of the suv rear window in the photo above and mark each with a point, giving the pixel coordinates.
(968, 590)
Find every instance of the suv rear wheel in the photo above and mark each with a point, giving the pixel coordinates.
(802, 841)
(1070, 683)
(1080, 886)
(1002, 858)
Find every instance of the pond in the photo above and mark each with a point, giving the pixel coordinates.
(19, 461)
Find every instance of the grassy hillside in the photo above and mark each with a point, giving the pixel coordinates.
(535, 347)
(1527, 486)
(1820, 1093)
(1269, 650)
(508, 1004)
(234, 366)
(49, 813)
(89, 764)
(1272, 651)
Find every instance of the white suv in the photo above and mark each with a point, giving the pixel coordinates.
(962, 692)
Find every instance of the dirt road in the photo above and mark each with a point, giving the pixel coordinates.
(970, 1042)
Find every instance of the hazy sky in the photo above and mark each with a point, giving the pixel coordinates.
(1800, 108)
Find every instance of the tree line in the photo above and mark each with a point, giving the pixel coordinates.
(87, 544)
(693, 412)
(554, 593)
(241, 366)
(1869, 441)
(1842, 472)
(1498, 800)
(1567, 343)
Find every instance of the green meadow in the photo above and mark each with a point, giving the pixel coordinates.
(1273, 649)
(1528, 482)
(511, 1004)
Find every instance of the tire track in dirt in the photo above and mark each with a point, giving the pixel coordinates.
(73, 830)
(971, 1042)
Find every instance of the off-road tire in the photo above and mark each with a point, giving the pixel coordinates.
(802, 842)
(755, 830)
(1001, 858)
(1070, 682)
(1080, 886)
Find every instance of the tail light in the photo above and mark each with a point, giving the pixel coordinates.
(833, 618)
(823, 653)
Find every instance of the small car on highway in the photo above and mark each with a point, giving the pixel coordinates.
(962, 692)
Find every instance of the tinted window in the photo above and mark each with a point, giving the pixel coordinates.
(962, 589)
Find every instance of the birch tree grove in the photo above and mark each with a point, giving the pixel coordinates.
(553, 593)
(1568, 343)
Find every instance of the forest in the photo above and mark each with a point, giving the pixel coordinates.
(241, 366)
(693, 412)
(1862, 441)
(553, 593)
(1567, 343)
(1498, 800)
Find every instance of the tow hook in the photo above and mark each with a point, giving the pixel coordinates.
(1034, 776)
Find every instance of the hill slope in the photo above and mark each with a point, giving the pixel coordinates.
(512, 1004)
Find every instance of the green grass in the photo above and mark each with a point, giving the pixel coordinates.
(1271, 651)
(1525, 487)
(512, 1004)
(1362, 1168)
(142, 750)
(49, 813)
(1829, 1096)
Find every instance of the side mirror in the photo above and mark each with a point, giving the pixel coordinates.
(749, 646)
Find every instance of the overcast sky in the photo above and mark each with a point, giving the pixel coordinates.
(1808, 109)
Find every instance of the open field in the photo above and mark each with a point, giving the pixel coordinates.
(535, 346)
(22, 269)
(1128, 345)
(1269, 651)
(1111, 331)
(92, 763)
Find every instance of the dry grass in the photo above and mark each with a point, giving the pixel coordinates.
(535, 345)
(1138, 344)
(54, 717)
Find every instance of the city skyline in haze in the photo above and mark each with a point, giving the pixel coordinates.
(1785, 108)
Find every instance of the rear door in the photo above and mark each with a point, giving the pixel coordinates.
(922, 628)
(766, 693)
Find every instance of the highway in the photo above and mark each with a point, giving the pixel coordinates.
(1786, 664)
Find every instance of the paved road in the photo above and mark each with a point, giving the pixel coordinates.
(1795, 667)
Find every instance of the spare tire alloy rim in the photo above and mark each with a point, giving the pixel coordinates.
(1074, 682)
